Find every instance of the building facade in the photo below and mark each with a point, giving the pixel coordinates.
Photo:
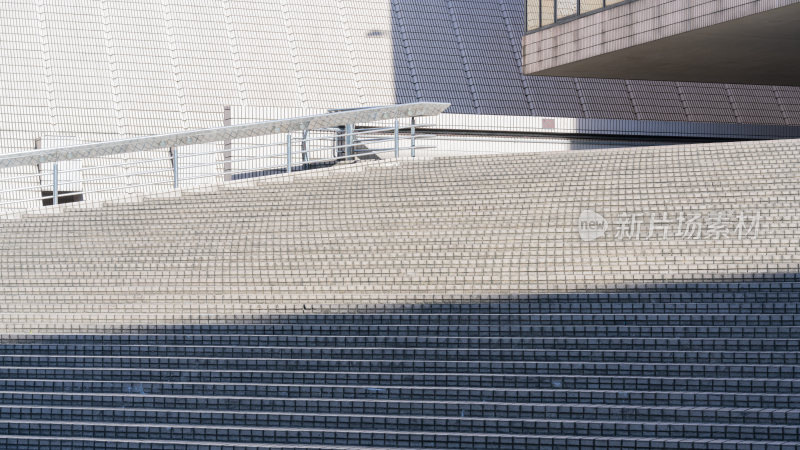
(732, 41)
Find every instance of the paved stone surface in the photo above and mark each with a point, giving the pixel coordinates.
(444, 303)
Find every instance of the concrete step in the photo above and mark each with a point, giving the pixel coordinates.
(172, 324)
(229, 410)
(9, 354)
(552, 367)
(446, 303)
(415, 441)
(423, 321)
(355, 430)
(415, 386)
(80, 341)
(717, 305)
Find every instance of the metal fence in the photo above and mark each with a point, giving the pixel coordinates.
(541, 13)
(99, 171)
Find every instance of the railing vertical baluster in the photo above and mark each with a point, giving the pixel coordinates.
(289, 153)
(396, 138)
(227, 167)
(55, 183)
(175, 172)
(304, 149)
(413, 137)
(349, 129)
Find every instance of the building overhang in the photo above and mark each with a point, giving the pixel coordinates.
(759, 48)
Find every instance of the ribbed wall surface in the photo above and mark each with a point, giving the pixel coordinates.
(96, 69)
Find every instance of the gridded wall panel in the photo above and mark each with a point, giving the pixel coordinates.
(755, 104)
(489, 57)
(407, 88)
(707, 102)
(656, 101)
(138, 42)
(370, 36)
(555, 97)
(789, 99)
(266, 60)
(25, 113)
(325, 61)
(434, 53)
(76, 56)
(606, 99)
(203, 60)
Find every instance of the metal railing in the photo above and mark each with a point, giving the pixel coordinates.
(98, 171)
(542, 13)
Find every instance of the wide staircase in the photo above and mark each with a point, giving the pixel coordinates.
(443, 303)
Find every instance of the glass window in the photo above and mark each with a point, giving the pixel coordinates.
(567, 8)
(590, 5)
(548, 12)
(533, 14)
(541, 13)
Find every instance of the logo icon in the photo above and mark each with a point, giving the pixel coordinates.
(592, 226)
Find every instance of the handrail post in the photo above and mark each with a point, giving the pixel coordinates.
(227, 167)
(304, 149)
(175, 173)
(413, 137)
(396, 138)
(55, 183)
(289, 153)
(349, 129)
